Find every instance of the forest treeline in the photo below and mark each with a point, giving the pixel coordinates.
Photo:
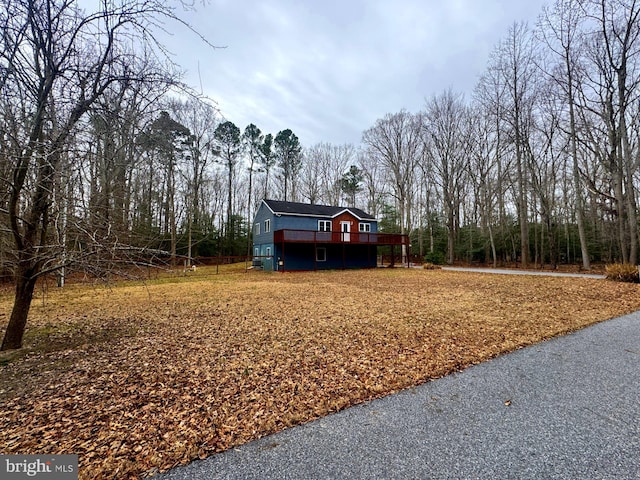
(106, 158)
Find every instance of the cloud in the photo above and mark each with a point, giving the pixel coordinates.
(327, 70)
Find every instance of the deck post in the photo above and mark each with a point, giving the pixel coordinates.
(344, 255)
(283, 257)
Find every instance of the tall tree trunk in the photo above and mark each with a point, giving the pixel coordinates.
(553, 249)
(286, 184)
(523, 210)
(621, 217)
(500, 192)
(189, 230)
(229, 206)
(402, 211)
(632, 220)
(25, 285)
(577, 184)
(172, 211)
(249, 203)
(493, 247)
(420, 222)
(451, 233)
(630, 200)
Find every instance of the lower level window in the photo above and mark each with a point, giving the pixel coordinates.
(321, 254)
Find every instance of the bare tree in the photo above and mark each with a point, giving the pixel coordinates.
(445, 141)
(310, 177)
(373, 180)
(335, 162)
(201, 119)
(614, 52)
(56, 62)
(330, 162)
(545, 152)
(559, 30)
(172, 141)
(483, 170)
(396, 142)
(517, 68)
(490, 99)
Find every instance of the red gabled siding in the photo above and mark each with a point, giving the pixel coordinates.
(344, 217)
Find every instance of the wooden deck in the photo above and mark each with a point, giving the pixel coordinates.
(357, 238)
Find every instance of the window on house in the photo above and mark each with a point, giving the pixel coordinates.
(364, 227)
(256, 252)
(257, 229)
(267, 226)
(324, 225)
(321, 254)
(268, 251)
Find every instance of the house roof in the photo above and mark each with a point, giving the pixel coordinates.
(305, 209)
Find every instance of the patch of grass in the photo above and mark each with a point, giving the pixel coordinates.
(9, 356)
(50, 338)
(137, 378)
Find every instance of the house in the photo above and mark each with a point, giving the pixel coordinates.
(298, 236)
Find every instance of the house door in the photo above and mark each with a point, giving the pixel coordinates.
(345, 228)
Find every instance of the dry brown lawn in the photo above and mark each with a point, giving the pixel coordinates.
(137, 378)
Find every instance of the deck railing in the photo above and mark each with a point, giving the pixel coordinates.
(312, 236)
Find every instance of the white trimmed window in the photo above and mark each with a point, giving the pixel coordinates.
(256, 229)
(267, 225)
(324, 226)
(364, 227)
(268, 251)
(321, 254)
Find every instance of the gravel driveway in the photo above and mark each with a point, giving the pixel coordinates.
(504, 271)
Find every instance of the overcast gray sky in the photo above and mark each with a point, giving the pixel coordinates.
(328, 69)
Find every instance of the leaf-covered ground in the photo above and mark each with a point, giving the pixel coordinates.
(139, 378)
